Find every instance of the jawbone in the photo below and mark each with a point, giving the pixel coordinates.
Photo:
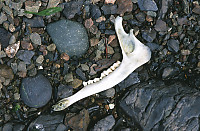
(134, 54)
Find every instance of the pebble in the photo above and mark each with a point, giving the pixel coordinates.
(51, 47)
(6, 72)
(40, 59)
(12, 49)
(72, 8)
(36, 22)
(84, 67)
(53, 3)
(25, 55)
(88, 23)
(100, 19)
(64, 91)
(94, 41)
(35, 38)
(109, 9)
(147, 5)
(149, 35)
(64, 56)
(169, 72)
(76, 83)
(26, 45)
(95, 11)
(21, 67)
(32, 6)
(2, 54)
(160, 25)
(12, 40)
(110, 50)
(11, 28)
(140, 17)
(185, 52)
(108, 93)
(153, 46)
(69, 37)
(4, 37)
(109, 1)
(81, 74)
(68, 77)
(173, 45)
(32, 91)
(93, 29)
(105, 124)
(124, 6)
(196, 9)
(151, 13)
(3, 18)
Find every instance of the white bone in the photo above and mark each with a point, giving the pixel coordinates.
(90, 82)
(96, 79)
(134, 54)
(84, 83)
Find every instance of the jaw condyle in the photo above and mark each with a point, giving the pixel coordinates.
(134, 54)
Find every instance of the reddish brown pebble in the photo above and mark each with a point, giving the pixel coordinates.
(111, 38)
(26, 45)
(110, 1)
(149, 18)
(114, 43)
(124, 6)
(100, 19)
(107, 107)
(175, 34)
(88, 23)
(64, 56)
(196, 9)
(93, 29)
(94, 41)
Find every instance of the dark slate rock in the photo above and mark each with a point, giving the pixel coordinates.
(81, 74)
(134, 22)
(153, 46)
(147, 5)
(108, 93)
(64, 91)
(4, 37)
(130, 80)
(165, 5)
(36, 22)
(35, 91)
(61, 127)
(69, 36)
(25, 55)
(169, 72)
(72, 8)
(105, 124)
(109, 32)
(140, 17)
(161, 25)
(95, 11)
(149, 35)
(173, 45)
(109, 9)
(8, 127)
(46, 122)
(102, 25)
(155, 106)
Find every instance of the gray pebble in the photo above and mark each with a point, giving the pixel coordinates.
(173, 45)
(35, 38)
(105, 124)
(147, 5)
(25, 55)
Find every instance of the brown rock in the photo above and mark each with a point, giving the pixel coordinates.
(110, 50)
(88, 23)
(78, 122)
(12, 49)
(124, 6)
(114, 43)
(6, 72)
(111, 38)
(76, 83)
(110, 1)
(94, 41)
(26, 45)
(196, 9)
(93, 29)
(64, 56)
(100, 19)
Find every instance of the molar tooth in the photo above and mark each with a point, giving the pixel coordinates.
(84, 83)
(106, 72)
(103, 74)
(90, 82)
(96, 79)
(115, 65)
(118, 62)
(109, 70)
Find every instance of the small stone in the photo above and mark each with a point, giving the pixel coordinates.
(12, 40)
(109, 1)
(32, 7)
(100, 19)
(149, 35)
(6, 72)
(16, 96)
(95, 11)
(21, 67)
(140, 17)
(64, 91)
(88, 23)
(151, 13)
(64, 56)
(11, 28)
(196, 9)
(94, 41)
(76, 83)
(182, 21)
(14, 67)
(84, 67)
(3, 18)
(53, 3)
(81, 74)
(36, 22)
(40, 59)
(93, 29)
(185, 52)
(32, 91)
(108, 93)
(173, 45)
(4, 37)
(25, 55)
(68, 77)
(26, 45)
(51, 47)
(105, 124)
(110, 50)
(11, 50)
(153, 46)
(109, 9)
(35, 38)
(147, 5)
(169, 72)
(111, 38)
(124, 6)
(2, 54)
(160, 25)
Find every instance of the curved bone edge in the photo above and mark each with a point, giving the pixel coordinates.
(140, 55)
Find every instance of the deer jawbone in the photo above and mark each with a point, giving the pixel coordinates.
(134, 54)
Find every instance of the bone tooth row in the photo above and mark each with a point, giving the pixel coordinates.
(96, 79)
(84, 83)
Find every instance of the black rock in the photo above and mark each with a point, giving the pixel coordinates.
(4, 37)
(134, 22)
(173, 45)
(64, 91)
(95, 11)
(105, 124)
(46, 122)
(102, 25)
(155, 106)
(69, 36)
(169, 72)
(36, 22)
(72, 8)
(108, 93)
(81, 74)
(25, 55)
(109, 9)
(147, 5)
(153, 46)
(149, 35)
(35, 91)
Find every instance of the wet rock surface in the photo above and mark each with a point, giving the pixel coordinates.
(105, 124)
(70, 37)
(35, 91)
(155, 106)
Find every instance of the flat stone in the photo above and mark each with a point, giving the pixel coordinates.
(105, 124)
(160, 25)
(173, 45)
(36, 22)
(35, 38)
(149, 35)
(64, 91)
(95, 11)
(4, 37)
(76, 83)
(6, 72)
(124, 6)
(35, 91)
(108, 93)
(147, 5)
(69, 37)
(25, 55)
(109, 9)
(81, 74)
